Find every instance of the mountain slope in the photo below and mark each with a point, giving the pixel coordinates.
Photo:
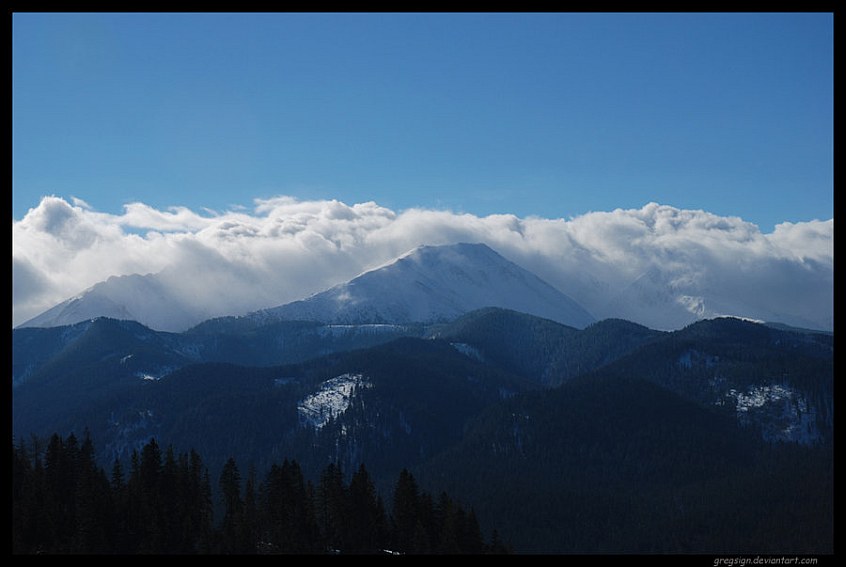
(779, 382)
(56, 382)
(436, 283)
(540, 349)
(144, 299)
(615, 465)
(668, 434)
(391, 406)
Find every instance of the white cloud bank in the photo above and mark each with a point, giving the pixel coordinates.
(658, 265)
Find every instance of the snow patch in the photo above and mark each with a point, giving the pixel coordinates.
(783, 413)
(155, 376)
(331, 400)
(145, 376)
(757, 396)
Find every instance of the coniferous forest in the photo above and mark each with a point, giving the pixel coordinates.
(717, 438)
(62, 502)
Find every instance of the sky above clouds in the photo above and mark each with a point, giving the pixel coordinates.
(553, 115)
(274, 155)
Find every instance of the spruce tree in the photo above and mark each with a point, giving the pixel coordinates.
(332, 508)
(404, 512)
(232, 532)
(367, 529)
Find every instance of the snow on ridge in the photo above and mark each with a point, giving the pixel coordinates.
(331, 400)
(758, 396)
(437, 283)
(783, 412)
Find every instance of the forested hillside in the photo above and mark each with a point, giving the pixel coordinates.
(62, 502)
(615, 465)
(610, 439)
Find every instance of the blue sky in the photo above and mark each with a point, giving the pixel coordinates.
(553, 115)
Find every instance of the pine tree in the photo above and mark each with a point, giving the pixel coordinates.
(497, 546)
(233, 515)
(471, 535)
(332, 508)
(165, 507)
(93, 502)
(119, 510)
(449, 536)
(169, 513)
(404, 512)
(150, 534)
(60, 476)
(367, 527)
(22, 499)
(250, 524)
(199, 503)
(287, 511)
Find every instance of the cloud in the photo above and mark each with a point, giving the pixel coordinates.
(658, 265)
(176, 219)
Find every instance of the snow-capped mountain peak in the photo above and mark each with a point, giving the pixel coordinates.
(435, 283)
(142, 298)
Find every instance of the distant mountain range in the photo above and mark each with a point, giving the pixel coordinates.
(568, 434)
(428, 284)
(134, 298)
(483, 396)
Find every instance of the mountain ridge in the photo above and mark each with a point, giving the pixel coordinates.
(167, 301)
(424, 285)
(558, 414)
(434, 284)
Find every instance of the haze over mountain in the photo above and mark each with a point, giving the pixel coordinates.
(659, 266)
(429, 284)
(436, 283)
(135, 297)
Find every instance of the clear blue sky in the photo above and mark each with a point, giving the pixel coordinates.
(533, 114)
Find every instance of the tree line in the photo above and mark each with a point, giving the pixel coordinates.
(63, 502)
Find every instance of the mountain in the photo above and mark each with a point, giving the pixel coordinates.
(539, 349)
(613, 438)
(611, 465)
(396, 403)
(778, 382)
(662, 299)
(434, 284)
(59, 354)
(142, 298)
(430, 283)
(60, 373)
